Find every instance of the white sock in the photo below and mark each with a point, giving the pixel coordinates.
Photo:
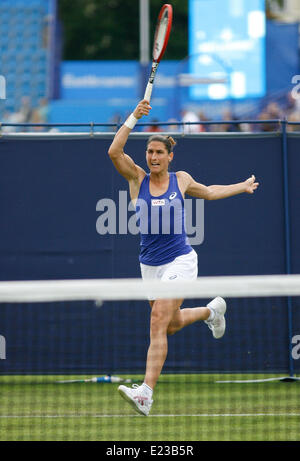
(211, 315)
(147, 389)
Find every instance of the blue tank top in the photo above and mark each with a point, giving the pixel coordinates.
(161, 222)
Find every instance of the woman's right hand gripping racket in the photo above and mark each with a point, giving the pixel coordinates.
(161, 37)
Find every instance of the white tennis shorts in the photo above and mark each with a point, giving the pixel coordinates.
(184, 267)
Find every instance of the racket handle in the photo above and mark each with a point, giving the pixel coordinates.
(107, 379)
(101, 379)
(148, 91)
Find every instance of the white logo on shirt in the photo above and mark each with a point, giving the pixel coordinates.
(157, 202)
(173, 195)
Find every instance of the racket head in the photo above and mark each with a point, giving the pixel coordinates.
(162, 31)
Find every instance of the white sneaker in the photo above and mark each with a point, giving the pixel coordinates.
(218, 324)
(137, 398)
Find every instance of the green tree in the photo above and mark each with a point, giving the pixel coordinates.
(109, 29)
(270, 8)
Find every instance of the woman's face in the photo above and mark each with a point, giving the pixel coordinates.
(157, 157)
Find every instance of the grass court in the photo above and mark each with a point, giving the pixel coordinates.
(186, 408)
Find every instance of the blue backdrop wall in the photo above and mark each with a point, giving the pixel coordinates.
(49, 191)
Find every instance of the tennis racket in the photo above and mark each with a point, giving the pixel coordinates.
(101, 379)
(161, 37)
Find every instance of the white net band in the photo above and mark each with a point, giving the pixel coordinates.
(137, 289)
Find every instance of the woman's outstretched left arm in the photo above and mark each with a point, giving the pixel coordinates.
(216, 192)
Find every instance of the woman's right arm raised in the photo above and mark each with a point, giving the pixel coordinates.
(123, 163)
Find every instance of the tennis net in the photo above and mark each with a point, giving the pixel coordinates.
(66, 346)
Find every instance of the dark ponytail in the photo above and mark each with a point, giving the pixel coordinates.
(168, 141)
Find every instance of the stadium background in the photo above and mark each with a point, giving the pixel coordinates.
(50, 188)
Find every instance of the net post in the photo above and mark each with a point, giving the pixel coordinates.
(91, 129)
(287, 237)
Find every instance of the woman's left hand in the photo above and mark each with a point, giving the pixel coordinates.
(251, 185)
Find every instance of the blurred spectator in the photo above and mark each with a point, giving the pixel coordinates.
(292, 111)
(11, 117)
(274, 110)
(203, 118)
(25, 110)
(271, 112)
(153, 128)
(245, 127)
(291, 104)
(229, 127)
(172, 127)
(117, 120)
(265, 126)
(26, 114)
(294, 117)
(40, 114)
(189, 116)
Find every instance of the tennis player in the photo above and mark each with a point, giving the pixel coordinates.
(166, 256)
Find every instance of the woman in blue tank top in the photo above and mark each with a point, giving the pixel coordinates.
(165, 251)
(161, 218)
